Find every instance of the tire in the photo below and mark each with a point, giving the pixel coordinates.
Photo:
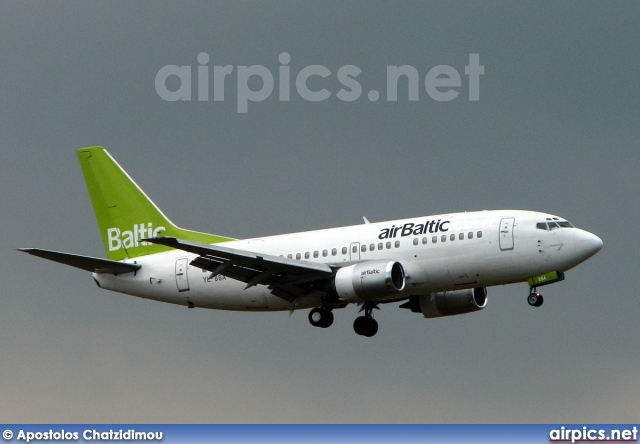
(320, 317)
(365, 326)
(360, 325)
(372, 328)
(535, 299)
(540, 301)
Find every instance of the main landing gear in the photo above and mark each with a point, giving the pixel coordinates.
(321, 317)
(366, 325)
(535, 299)
(363, 325)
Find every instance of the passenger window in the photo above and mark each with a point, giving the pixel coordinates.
(443, 238)
(452, 237)
(344, 250)
(461, 236)
(324, 253)
(306, 255)
(363, 248)
(397, 244)
(541, 226)
(415, 241)
(388, 245)
(434, 240)
(298, 256)
(289, 256)
(470, 235)
(334, 251)
(315, 253)
(372, 247)
(424, 241)
(479, 233)
(354, 249)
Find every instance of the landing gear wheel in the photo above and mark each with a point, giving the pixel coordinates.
(365, 326)
(535, 299)
(321, 317)
(540, 301)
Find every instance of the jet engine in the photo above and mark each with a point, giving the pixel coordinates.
(448, 303)
(370, 280)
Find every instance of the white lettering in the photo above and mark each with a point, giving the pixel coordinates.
(113, 235)
(245, 93)
(203, 77)
(303, 89)
(183, 73)
(474, 70)
(117, 239)
(393, 75)
(347, 76)
(157, 230)
(127, 239)
(442, 76)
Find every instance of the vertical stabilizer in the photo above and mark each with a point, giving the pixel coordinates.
(125, 214)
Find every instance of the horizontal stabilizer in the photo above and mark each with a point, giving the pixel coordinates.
(92, 264)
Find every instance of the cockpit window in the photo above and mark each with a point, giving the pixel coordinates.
(553, 225)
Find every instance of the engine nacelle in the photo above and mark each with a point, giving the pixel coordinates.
(370, 280)
(452, 302)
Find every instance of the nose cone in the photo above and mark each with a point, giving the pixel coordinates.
(587, 244)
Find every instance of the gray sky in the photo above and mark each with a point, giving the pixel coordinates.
(556, 129)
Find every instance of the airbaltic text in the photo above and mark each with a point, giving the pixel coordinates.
(409, 229)
(131, 238)
(432, 226)
(372, 271)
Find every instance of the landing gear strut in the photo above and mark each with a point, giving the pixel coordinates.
(366, 325)
(535, 299)
(321, 317)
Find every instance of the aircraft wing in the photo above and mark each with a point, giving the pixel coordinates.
(88, 263)
(287, 278)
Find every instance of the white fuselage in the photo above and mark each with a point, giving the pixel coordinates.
(439, 253)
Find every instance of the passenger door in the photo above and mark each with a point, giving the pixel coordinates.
(506, 233)
(182, 281)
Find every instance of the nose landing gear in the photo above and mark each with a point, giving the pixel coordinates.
(535, 299)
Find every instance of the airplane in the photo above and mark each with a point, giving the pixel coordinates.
(437, 265)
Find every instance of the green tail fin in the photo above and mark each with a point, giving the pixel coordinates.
(125, 214)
